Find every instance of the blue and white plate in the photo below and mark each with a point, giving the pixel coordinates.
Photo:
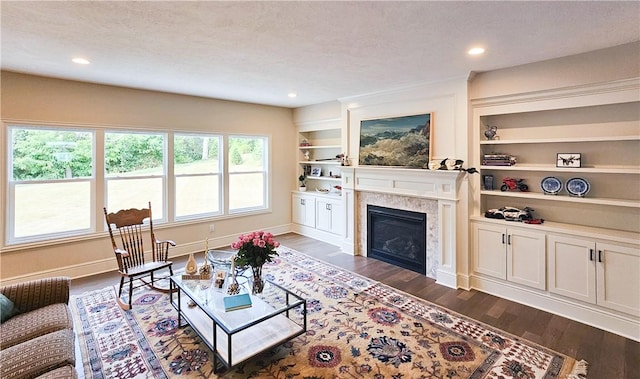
(551, 185)
(578, 187)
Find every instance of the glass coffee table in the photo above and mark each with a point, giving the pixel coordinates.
(275, 316)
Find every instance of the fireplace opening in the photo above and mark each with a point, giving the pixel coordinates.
(398, 237)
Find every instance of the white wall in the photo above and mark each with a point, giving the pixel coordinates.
(448, 102)
(36, 100)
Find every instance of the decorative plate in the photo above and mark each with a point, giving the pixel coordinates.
(551, 185)
(578, 187)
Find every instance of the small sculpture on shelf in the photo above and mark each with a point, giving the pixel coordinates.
(491, 131)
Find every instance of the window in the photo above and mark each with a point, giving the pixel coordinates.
(197, 168)
(51, 181)
(247, 162)
(135, 171)
(59, 178)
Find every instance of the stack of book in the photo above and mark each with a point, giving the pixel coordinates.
(496, 159)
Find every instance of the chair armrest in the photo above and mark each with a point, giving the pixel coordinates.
(162, 250)
(38, 293)
(170, 242)
(124, 253)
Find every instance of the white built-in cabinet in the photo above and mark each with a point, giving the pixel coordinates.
(601, 273)
(319, 211)
(510, 253)
(583, 262)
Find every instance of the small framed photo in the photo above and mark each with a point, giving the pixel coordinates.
(316, 171)
(567, 160)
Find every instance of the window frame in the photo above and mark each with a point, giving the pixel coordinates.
(11, 183)
(266, 155)
(99, 180)
(220, 175)
(164, 176)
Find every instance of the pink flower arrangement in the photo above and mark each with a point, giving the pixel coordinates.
(255, 248)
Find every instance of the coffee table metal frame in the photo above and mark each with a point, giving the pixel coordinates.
(256, 329)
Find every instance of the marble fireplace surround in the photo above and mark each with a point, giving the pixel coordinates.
(431, 192)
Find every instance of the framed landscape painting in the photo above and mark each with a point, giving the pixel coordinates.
(403, 141)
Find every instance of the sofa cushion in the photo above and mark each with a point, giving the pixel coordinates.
(66, 372)
(7, 308)
(26, 326)
(38, 356)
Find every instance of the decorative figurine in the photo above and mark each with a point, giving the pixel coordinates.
(205, 270)
(192, 267)
(512, 184)
(233, 288)
(491, 131)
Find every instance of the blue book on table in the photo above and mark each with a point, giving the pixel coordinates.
(234, 302)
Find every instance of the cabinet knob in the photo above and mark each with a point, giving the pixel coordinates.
(509, 239)
(503, 238)
(600, 256)
(301, 201)
(590, 254)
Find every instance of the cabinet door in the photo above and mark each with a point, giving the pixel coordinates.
(618, 278)
(526, 263)
(572, 269)
(329, 216)
(337, 217)
(304, 208)
(489, 250)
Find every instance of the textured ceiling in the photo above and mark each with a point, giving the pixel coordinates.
(259, 51)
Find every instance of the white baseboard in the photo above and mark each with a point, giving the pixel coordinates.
(446, 279)
(626, 326)
(323, 236)
(109, 264)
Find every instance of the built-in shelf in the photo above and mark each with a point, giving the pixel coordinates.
(327, 178)
(560, 140)
(320, 147)
(565, 198)
(336, 163)
(549, 168)
(577, 230)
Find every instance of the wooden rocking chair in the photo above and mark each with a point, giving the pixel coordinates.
(130, 256)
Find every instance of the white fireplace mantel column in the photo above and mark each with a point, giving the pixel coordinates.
(440, 185)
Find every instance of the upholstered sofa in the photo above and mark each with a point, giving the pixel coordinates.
(36, 337)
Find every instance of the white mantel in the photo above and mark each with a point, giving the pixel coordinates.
(439, 186)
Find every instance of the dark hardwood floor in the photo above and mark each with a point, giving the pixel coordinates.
(609, 355)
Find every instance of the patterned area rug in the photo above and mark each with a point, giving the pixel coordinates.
(357, 328)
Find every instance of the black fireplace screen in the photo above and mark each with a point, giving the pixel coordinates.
(398, 237)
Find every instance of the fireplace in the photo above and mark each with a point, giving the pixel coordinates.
(398, 237)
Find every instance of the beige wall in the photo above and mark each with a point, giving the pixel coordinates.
(614, 63)
(33, 99)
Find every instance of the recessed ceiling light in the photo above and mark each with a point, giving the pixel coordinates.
(476, 51)
(292, 95)
(80, 61)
